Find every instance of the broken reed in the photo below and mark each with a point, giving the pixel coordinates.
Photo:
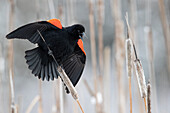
(149, 97)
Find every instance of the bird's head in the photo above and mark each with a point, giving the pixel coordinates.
(76, 30)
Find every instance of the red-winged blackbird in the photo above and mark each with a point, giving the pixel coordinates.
(64, 42)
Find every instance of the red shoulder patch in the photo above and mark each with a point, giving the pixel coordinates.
(80, 44)
(55, 22)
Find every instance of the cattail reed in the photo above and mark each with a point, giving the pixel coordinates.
(129, 47)
(141, 78)
(149, 97)
(129, 66)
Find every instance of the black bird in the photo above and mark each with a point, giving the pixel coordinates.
(65, 43)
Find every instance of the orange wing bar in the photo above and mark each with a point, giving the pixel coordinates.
(80, 43)
(55, 22)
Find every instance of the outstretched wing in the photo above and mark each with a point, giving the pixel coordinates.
(29, 31)
(41, 64)
(74, 65)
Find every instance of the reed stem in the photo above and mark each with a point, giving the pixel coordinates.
(130, 94)
(80, 106)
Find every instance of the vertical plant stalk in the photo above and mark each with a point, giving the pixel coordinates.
(133, 19)
(150, 52)
(120, 52)
(100, 43)
(130, 93)
(93, 50)
(129, 65)
(40, 109)
(1, 73)
(61, 95)
(140, 77)
(138, 67)
(13, 107)
(100, 35)
(107, 79)
(149, 97)
(75, 108)
(69, 85)
(166, 30)
(10, 57)
(51, 8)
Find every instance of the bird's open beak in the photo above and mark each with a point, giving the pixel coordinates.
(83, 36)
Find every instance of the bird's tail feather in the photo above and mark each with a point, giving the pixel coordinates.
(41, 64)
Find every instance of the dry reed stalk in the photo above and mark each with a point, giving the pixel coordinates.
(40, 109)
(93, 50)
(138, 68)
(100, 35)
(10, 57)
(149, 97)
(130, 93)
(133, 20)
(69, 85)
(129, 66)
(149, 39)
(13, 107)
(120, 52)
(140, 77)
(16, 110)
(151, 66)
(61, 95)
(75, 108)
(107, 79)
(129, 48)
(19, 106)
(1, 74)
(166, 30)
(51, 8)
(100, 42)
(68, 7)
(32, 104)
